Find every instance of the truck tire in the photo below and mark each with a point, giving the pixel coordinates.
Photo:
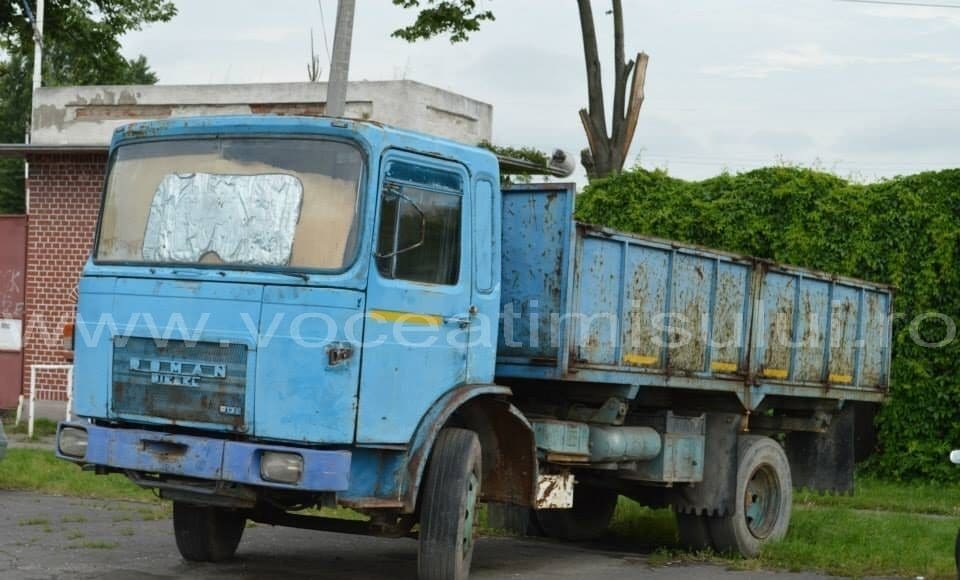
(207, 534)
(762, 502)
(588, 519)
(693, 531)
(448, 507)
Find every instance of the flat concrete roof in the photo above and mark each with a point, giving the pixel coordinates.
(88, 115)
(24, 149)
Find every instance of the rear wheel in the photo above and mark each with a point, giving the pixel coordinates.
(588, 519)
(207, 534)
(762, 502)
(448, 509)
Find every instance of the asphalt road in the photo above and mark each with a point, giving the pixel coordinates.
(44, 537)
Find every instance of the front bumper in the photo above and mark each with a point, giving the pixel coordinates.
(206, 458)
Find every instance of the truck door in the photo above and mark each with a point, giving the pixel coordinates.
(418, 298)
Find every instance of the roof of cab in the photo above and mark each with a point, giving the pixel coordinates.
(371, 132)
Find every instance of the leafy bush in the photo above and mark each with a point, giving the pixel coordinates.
(903, 231)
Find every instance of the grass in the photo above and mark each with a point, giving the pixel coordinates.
(36, 470)
(845, 543)
(885, 528)
(873, 494)
(41, 428)
(834, 540)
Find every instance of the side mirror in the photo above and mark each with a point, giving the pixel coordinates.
(405, 209)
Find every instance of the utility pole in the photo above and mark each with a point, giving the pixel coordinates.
(37, 47)
(340, 63)
(37, 23)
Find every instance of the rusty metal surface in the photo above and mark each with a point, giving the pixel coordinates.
(536, 223)
(440, 415)
(201, 383)
(555, 491)
(13, 241)
(647, 311)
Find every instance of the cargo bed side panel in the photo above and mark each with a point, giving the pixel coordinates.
(649, 307)
(537, 227)
(636, 310)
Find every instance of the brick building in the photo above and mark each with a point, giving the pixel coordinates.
(67, 158)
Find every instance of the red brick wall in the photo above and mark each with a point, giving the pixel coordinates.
(64, 199)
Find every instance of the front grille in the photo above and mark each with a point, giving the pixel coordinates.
(202, 382)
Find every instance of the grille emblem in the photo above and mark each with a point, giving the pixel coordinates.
(177, 373)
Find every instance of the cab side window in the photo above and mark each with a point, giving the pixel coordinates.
(420, 225)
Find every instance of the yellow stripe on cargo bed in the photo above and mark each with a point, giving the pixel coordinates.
(776, 373)
(843, 379)
(724, 367)
(640, 359)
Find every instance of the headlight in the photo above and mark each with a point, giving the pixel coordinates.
(281, 467)
(73, 442)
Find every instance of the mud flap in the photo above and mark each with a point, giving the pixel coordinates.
(824, 462)
(513, 519)
(714, 495)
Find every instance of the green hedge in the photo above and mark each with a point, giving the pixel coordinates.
(903, 231)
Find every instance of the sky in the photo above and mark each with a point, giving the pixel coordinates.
(863, 90)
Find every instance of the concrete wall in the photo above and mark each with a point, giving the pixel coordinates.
(88, 115)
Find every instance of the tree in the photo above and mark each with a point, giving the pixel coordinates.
(81, 47)
(608, 149)
(457, 17)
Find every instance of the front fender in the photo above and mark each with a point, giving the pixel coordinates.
(482, 409)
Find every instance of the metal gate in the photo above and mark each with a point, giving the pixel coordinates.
(13, 258)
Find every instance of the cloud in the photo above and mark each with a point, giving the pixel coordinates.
(923, 13)
(814, 56)
(276, 34)
(949, 83)
(767, 140)
(913, 141)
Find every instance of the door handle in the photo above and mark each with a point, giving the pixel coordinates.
(461, 321)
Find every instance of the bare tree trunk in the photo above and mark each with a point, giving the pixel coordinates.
(594, 120)
(608, 151)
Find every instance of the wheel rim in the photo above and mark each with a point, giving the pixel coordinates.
(761, 506)
(473, 490)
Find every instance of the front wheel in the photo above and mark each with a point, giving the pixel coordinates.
(207, 534)
(763, 499)
(448, 509)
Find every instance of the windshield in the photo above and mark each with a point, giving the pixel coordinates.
(233, 201)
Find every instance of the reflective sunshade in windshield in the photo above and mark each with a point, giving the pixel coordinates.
(234, 202)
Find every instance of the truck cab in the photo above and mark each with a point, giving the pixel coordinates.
(278, 310)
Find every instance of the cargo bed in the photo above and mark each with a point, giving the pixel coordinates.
(593, 305)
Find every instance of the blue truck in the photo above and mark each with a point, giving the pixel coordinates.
(286, 313)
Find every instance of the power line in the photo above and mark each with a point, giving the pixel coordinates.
(323, 26)
(899, 3)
